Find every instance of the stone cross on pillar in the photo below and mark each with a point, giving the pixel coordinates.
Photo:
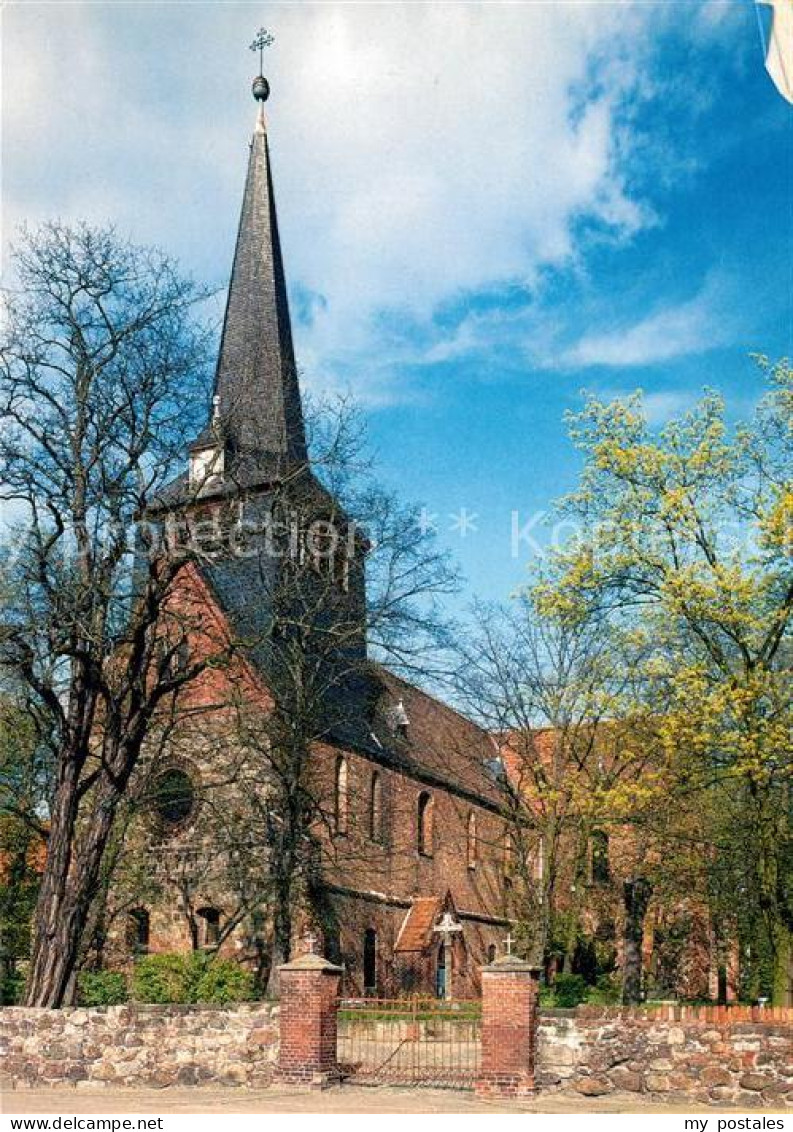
(446, 929)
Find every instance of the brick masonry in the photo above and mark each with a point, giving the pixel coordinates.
(740, 1056)
(309, 1002)
(510, 989)
(139, 1046)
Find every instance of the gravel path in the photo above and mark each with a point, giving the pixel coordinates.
(345, 1100)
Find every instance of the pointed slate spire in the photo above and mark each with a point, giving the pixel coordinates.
(256, 387)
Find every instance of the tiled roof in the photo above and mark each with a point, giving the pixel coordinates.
(416, 931)
(438, 739)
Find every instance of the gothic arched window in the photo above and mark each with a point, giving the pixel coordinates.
(369, 961)
(376, 807)
(138, 931)
(341, 799)
(491, 953)
(210, 926)
(424, 831)
(600, 857)
(508, 861)
(472, 845)
(538, 860)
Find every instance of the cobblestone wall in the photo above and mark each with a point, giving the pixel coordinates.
(139, 1046)
(708, 1054)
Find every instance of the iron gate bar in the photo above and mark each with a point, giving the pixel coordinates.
(417, 1040)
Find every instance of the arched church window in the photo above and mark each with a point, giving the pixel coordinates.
(172, 655)
(424, 831)
(209, 921)
(341, 800)
(472, 843)
(600, 857)
(326, 546)
(491, 953)
(369, 961)
(508, 861)
(376, 807)
(174, 796)
(138, 931)
(181, 660)
(538, 860)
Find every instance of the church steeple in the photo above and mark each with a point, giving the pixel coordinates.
(258, 414)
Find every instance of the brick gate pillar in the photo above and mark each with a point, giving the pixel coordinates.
(309, 1003)
(510, 992)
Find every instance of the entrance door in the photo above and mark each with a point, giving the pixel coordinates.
(370, 961)
(440, 973)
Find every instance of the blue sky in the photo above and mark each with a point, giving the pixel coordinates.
(485, 208)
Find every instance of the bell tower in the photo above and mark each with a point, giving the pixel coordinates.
(257, 433)
(249, 497)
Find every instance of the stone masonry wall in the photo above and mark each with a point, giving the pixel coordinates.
(681, 1054)
(702, 1054)
(140, 1046)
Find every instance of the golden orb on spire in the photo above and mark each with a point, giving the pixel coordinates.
(261, 87)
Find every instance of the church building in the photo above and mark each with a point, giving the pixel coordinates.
(400, 869)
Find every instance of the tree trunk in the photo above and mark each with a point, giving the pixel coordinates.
(56, 934)
(67, 893)
(283, 889)
(636, 897)
(263, 965)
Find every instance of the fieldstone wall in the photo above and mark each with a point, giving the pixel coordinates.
(708, 1054)
(139, 1046)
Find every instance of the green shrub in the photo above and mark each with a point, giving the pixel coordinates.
(547, 996)
(569, 990)
(102, 988)
(196, 976)
(12, 989)
(607, 992)
(224, 981)
(162, 978)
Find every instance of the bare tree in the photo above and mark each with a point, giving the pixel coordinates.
(331, 579)
(101, 367)
(560, 699)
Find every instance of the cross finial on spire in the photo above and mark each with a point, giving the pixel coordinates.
(263, 39)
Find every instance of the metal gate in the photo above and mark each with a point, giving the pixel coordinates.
(416, 1041)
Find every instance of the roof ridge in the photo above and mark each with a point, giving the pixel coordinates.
(429, 695)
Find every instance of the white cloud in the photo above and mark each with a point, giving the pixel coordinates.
(421, 151)
(692, 327)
